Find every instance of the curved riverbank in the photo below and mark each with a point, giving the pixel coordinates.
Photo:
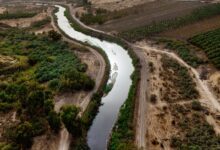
(135, 78)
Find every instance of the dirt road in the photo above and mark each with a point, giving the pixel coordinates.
(209, 98)
(140, 137)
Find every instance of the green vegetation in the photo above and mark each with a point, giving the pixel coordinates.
(69, 115)
(184, 50)
(89, 18)
(179, 85)
(123, 133)
(100, 16)
(41, 23)
(17, 15)
(196, 132)
(209, 42)
(42, 66)
(157, 27)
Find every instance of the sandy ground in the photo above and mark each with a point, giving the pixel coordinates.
(198, 27)
(214, 82)
(147, 13)
(2, 10)
(7, 120)
(158, 118)
(24, 22)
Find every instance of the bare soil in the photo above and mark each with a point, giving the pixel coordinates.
(148, 12)
(112, 5)
(2, 10)
(193, 29)
(160, 119)
(24, 22)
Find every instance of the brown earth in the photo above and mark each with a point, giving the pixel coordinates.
(112, 5)
(147, 13)
(159, 116)
(24, 22)
(193, 29)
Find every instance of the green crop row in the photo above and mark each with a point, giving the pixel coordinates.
(210, 43)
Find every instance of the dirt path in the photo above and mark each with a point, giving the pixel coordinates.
(140, 137)
(202, 85)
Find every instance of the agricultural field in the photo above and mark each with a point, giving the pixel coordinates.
(140, 15)
(209, 42)
(143, 32)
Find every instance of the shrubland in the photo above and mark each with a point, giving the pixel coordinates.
(44, 66)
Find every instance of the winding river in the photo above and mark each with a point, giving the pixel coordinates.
(121, 70)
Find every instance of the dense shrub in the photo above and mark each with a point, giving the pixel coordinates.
(72, 122)
(16, 15)
(41, 23)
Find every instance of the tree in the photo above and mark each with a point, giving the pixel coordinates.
(35, 102)
(72, 122)
(54, 121)
(55, 36)
(23, 134)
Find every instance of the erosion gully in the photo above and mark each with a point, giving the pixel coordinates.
(121, 69)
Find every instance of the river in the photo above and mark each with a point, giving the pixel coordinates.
(121, 70)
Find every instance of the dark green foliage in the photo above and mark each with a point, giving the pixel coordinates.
(210, 43)
(89, 18)
(72, 122)
(153, 98)
(21, 135)
(35, 102)
(184, 51)
(41, 23)
(197, 106)
(24, 134)
(157, 27)
(49, 63)
(74, 80)
(5, 107)
(52, 59)
(54, 121)
(16, 15)
(55, 36)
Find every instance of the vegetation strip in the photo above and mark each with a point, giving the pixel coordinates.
(184, 50)
(157, 27)
(16, 15)
(125, 125)
(209, 42)
(35, 69)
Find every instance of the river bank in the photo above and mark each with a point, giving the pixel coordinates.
(135, 60)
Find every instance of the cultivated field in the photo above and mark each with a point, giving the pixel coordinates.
(147, 13)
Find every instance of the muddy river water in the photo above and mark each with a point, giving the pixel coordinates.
(121, 70)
